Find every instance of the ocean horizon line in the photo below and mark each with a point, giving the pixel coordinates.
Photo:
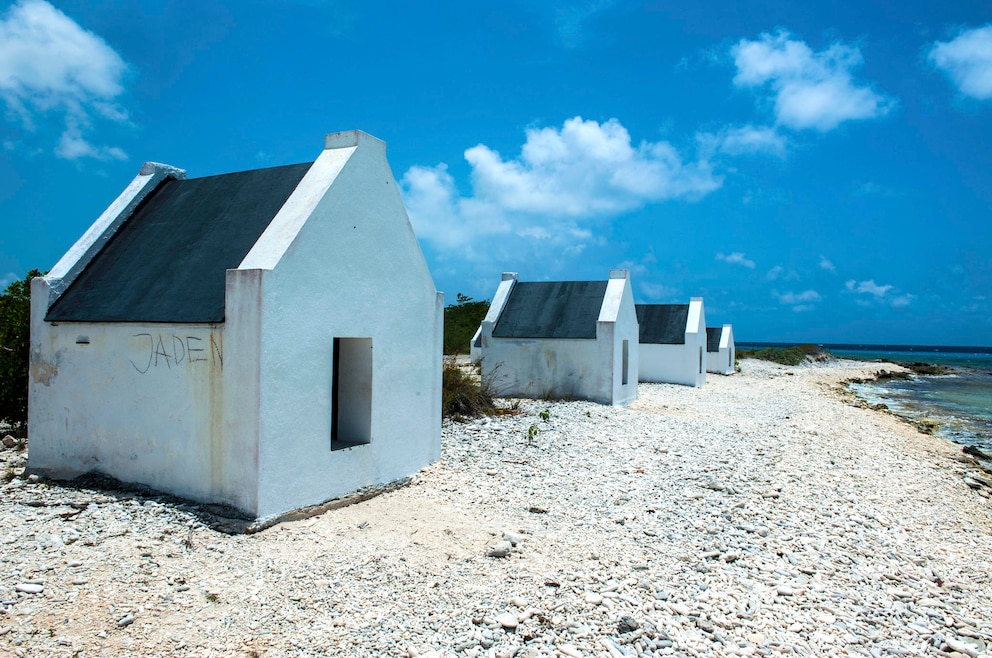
(874, 347)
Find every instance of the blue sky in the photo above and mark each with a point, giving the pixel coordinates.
(815, 171)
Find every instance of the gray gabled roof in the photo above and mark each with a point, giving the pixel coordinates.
(662, 323)
(167, 262)
(713, 335)
(551, 309)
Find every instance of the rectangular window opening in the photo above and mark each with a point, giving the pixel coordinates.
(625, 349)
(351, 393)
(700, 360)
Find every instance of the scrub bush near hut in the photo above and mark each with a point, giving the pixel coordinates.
(15, 347)
(464, 394)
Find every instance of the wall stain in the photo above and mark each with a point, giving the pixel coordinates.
(43, 372)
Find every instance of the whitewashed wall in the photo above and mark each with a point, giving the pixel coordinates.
(678, 364)
(618, 323)
(141, 402)
(585, 369)
(722, 361)
(530, 368)
(354, 269)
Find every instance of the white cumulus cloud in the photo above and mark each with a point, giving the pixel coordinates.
(799, 301)
(736, 258)
(810, 89)
(49, 65)
(747, 140)
(967, 61)
(870, 292)
(73, 146)
(564, 181)
(868, 287)
(825, 264)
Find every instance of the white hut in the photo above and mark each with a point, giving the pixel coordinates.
(268, 339)
(720, 350)
(562, 339)
(475, 347)
(673, 343)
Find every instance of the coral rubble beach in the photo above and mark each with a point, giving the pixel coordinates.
(763, 514)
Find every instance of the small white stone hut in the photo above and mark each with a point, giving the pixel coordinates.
(475, 347)
(720, 350)
(268, 339)
(673, 343)
(562, 339)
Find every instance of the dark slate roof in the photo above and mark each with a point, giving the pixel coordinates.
(713, 335)
(663, 323)
(167, 262)
(552, 309)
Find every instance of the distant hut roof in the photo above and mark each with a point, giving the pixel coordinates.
(552, 309)
(167, 262)
(663, 323)
(713, 335)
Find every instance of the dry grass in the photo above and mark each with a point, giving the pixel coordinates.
(465, 394)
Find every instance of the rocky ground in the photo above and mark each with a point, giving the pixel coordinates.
(763, 514)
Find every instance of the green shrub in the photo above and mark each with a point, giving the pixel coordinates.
(789, 356)
(15, 348)
(460, 322)
(464, 395)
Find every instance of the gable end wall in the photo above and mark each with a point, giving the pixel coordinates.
(353, 269)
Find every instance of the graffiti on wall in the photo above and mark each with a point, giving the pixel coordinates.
(172, 351)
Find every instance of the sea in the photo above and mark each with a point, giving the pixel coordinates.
(960, 401)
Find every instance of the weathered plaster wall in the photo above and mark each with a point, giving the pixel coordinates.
(722, 361)
(678, 364)
(531, 368)
(354, 269)
(140, 402)
(582, 369)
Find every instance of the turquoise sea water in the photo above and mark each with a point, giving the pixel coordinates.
(961, 401)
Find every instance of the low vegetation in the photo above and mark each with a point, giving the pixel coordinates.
(15, 347)
(460, 322)
(464, 394)
(789, 356)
